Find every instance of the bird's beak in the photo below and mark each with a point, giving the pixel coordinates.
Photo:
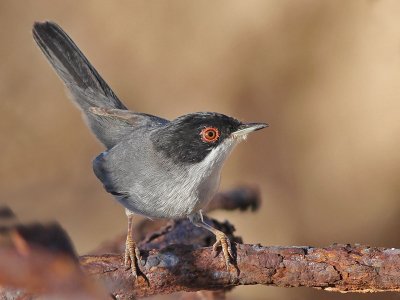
(245, 129)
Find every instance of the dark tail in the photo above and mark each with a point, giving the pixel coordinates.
(85, 84)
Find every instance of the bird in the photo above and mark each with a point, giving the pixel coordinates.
(154, 167)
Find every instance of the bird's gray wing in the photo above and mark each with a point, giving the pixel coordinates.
(134, 173)
(130, 159)
(84, 83)
(127, 117)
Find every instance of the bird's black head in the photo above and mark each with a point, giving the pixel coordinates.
(190, 138)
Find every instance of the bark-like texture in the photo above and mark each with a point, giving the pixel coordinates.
(341, 268)
(40, 260)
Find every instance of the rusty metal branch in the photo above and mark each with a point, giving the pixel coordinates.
(177, 257)
(341, 268)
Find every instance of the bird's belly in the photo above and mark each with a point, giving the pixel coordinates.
(155, 207)
(181, 199)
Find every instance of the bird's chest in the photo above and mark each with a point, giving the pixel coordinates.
(206, 188)
(203, 180)
(188, 191)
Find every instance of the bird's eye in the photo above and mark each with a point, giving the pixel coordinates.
(209, 134)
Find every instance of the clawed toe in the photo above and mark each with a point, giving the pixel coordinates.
(221, 239)
(132, 257)
(225, 243)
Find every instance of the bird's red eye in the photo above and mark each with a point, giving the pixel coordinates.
(209, 134)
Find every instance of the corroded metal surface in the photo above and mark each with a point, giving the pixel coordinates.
(39, 259)
(342, 268)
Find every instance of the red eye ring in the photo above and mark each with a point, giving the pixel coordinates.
(209, 134)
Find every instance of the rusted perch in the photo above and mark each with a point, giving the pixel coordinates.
(39, 259)
(171, 266)
(341, 268)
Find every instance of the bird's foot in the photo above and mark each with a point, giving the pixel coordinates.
(225, 243)
(132, 256)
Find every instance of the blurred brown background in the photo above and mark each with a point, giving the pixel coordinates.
(324, 74)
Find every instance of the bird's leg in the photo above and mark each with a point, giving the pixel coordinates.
(132, 253)
(222, 239)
